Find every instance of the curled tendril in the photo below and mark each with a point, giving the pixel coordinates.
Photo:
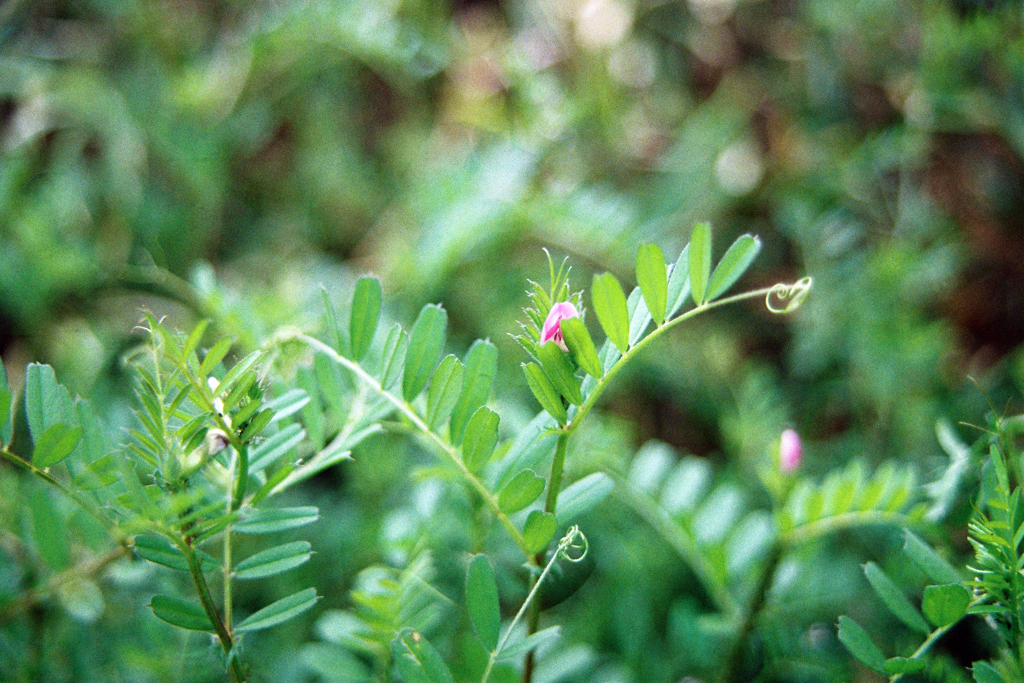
(783, 298)
(573, 541)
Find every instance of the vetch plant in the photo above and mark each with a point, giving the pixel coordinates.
(567, 374)
(217, 443)
(193, 473)
(994, 591)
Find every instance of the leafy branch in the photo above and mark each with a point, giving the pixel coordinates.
(450, 451)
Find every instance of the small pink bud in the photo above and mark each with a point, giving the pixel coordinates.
(791, 451)
(552, 330)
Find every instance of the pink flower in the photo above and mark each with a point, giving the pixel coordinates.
(552, 330)
(791, 451)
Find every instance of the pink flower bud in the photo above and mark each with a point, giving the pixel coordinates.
(552, 330)
(791, 451)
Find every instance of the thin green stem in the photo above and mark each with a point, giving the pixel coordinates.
(603, 382)
(450, 451)
(566, 541)
(550, 504)
(226, 568)
(732, 666)
(557, 467)
(933, 638)
(203, 590)
(86, 504)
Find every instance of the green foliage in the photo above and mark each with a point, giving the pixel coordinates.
(734, 263)
(180, 613)
(559, 370)
(445, 387)
(480, 439)
(385, 601)
(996, 532)
(539, 530)
(578, 340)
(610, 306)
(520, 492)
(426, 340)
(218, 161)
(482, 601)
(418, 661)
(858, 642)
(273, 560)
(700, 261)
(481, 366)
(652, 277)
(366, 302)
(545, 392)
(279, 612)
(897, 602)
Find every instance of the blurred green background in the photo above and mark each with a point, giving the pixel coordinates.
(224, 159)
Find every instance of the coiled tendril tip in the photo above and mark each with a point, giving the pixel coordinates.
(785, 298)
(574, 540)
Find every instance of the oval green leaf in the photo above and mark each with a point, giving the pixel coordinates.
(700, 261)
(256, 425)
(287, 404)
(159, 550)
(331, 326)
(539, 530)
(445, 386)
(983, 672)
(945, 605)
(652, 276)
(612, 312)
(46, 400)
(860, 645)
(425, 344)
(277, 519)
(481, 438)
(733, 264)
(274, 561)
(583, 495)
(481, 366)
(928, 561)
(482, 601)
(180, 613)
(559, 370)
(392, 360)
(214, 356)
(276, 446)
(678, 283)
(523, 489)
(894, 598)
(57, 443)
(903, 665)
(545, 392)
(279, 612)
(581, 345)
(366, 302)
